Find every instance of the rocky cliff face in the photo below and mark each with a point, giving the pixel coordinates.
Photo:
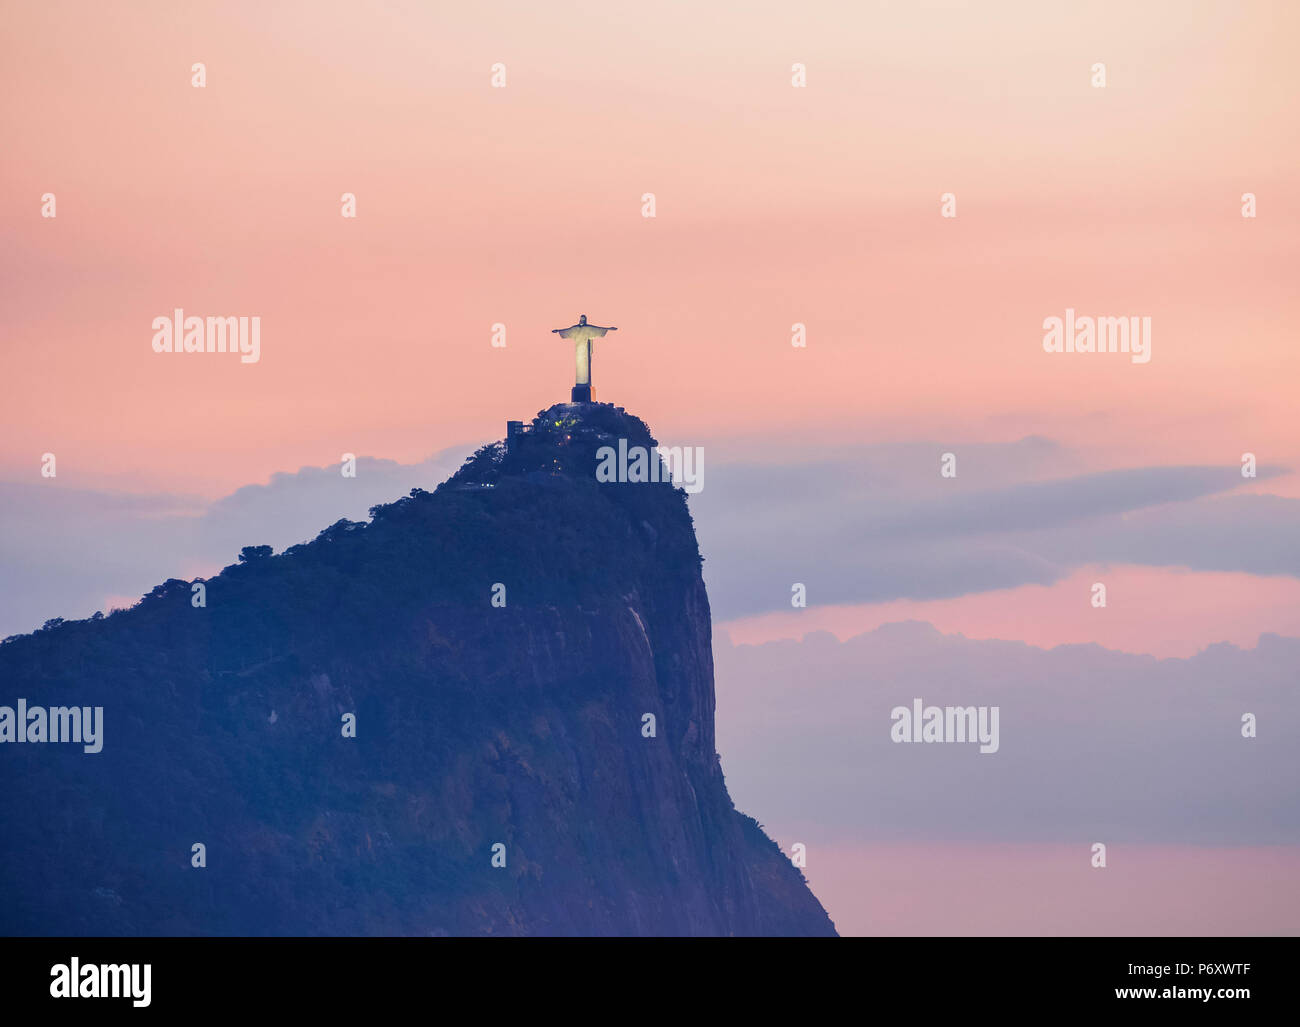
(477, 725)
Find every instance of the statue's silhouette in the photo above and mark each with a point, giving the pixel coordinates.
(582, 335)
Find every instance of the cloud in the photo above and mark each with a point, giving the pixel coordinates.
(882, 524)
(865, 524)
(1252, 533)
(66, 551)
(294, 507)
(1095, 745)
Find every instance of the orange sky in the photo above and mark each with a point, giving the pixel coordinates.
(522, 206)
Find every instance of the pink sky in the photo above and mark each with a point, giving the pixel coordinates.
(522, 206)
(984, 889)
(1153, 610)
(775, 205)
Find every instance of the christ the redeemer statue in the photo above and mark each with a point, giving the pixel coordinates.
(582, 334)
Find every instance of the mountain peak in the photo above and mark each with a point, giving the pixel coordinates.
(488, 710)
(562, 439)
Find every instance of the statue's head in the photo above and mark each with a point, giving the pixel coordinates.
(582, 319)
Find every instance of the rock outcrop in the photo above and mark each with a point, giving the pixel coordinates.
(476, 725)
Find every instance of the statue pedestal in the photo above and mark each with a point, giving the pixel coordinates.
(583, 336)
